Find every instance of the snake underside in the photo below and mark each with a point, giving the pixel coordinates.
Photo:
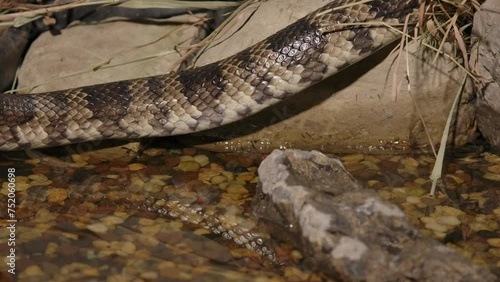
(302, 54)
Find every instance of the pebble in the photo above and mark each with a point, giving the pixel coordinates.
(112, 220)
(492, 176)
(80, 159)
(189, 151)
(494, 169)
(245, 176)
(201, 231)
(150, 275)
(190, 166)
(51, 248)
(455, 178)
(477, 226)
(352, 158)
(450, 210)
(218, 179)
(97, 227)
(448, 220)
(136, 166)
(186, 158)
(229, 175)
(33, 270)
(413, 199)
(237, 189)
(202, 160)
(153, 152)
(494, 242)
(56, 195)
(427, 219)
(100, 244)
(434, 226)
(494, 251)
(126, 248)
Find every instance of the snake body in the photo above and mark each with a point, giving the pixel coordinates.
(300, 55)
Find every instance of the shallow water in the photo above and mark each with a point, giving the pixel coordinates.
(186, 214)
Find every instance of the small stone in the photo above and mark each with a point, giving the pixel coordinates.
(202, 160)
(455, 178)
(38, 177)
(434, 226)
(128, 248)
(80, 159)
(494, 242)
(492, 176)
(410, 162)
(228, 175)
(451, 211)
(448, 220)
(100, 244)
(370, 165)
(189, 151)
(56, 195)
(439, 235)
(412, 199)
(427, 219)
(494, 251)
(189, 166)
(245, 176)
(352, 158)
(478, 226)
(176, 225)
(32, 162)
(186, 158)
(112, 220)
(33, 270)
(150, 275)
(218, 179)
(51, 248)
(97, 227)
(90, 271)
(237, 189)
(296, 255)
(494, 169)
(201, 231)
(136, 166)
(155, 152)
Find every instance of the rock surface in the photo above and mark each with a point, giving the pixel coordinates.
(485, 59)
(345, 230)
(135, 49)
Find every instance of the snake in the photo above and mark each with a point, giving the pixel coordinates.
(315, 47)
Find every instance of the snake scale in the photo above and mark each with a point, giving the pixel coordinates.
(300, 55)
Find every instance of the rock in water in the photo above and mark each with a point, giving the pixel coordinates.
(345, 230)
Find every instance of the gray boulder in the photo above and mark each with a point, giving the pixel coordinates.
(345, 230)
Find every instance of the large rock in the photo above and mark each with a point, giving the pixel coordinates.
(135, 49)
(352, 111)
(345, 230)
(485, 60)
